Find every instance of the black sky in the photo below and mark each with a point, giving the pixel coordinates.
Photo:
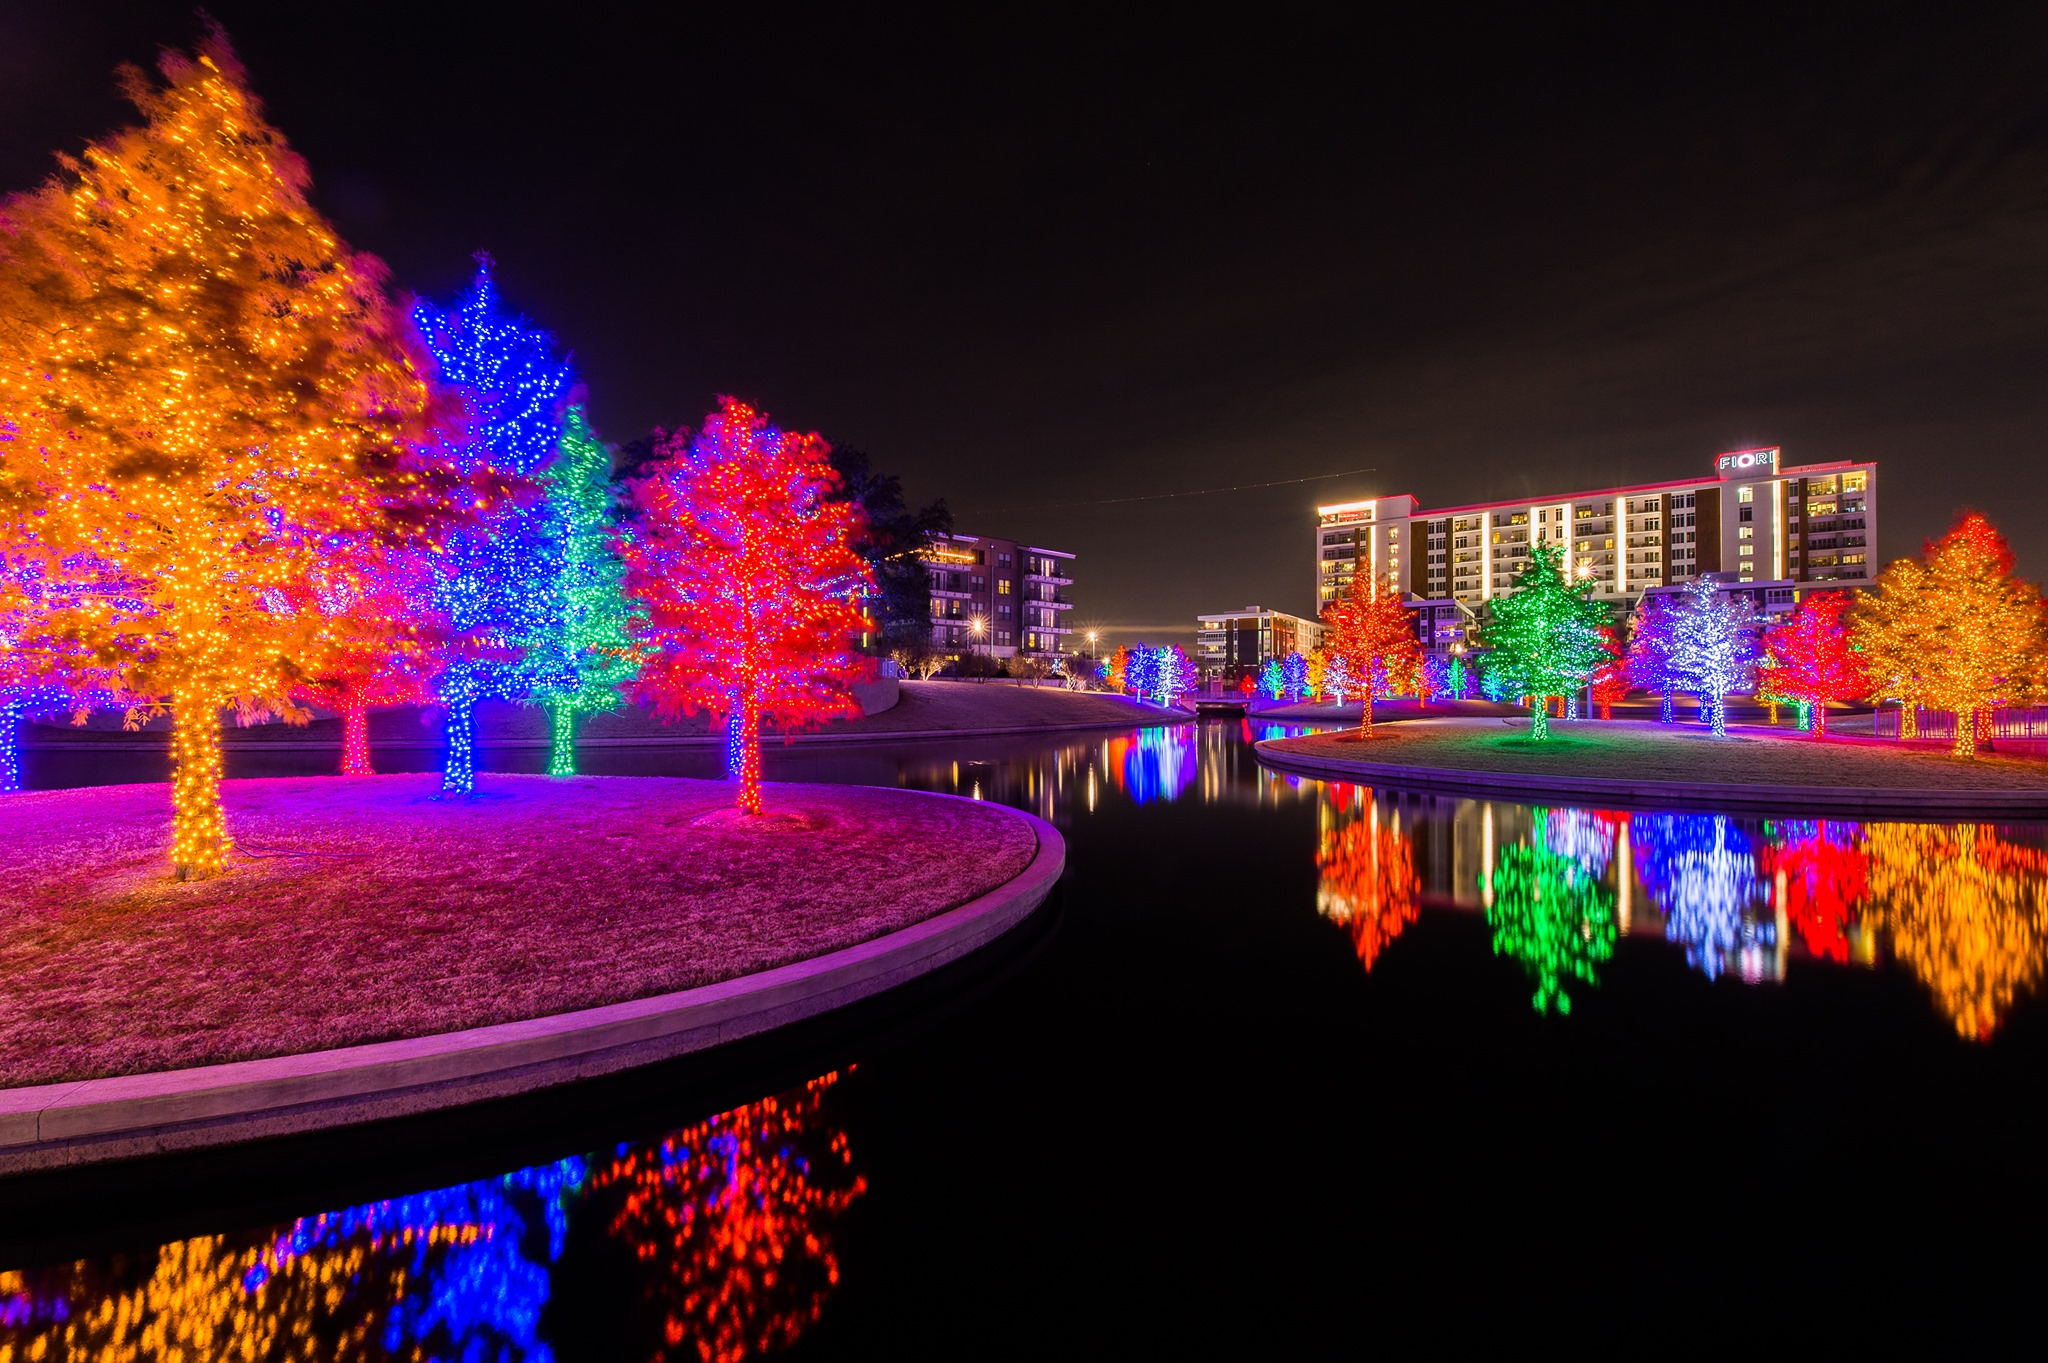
(1047, 257)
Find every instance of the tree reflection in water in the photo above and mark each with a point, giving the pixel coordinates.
(1819, 877)
(1551, 914)
(1699, 870)
(1368, 884)
(1965, 909)
(733, 1218)
(1154, 764)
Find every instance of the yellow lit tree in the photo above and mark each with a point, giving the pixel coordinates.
(207, 392)
(1371, 635)
(1955, 631)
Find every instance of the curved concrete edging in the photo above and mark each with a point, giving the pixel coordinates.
(96, 1120)
(1903, 803)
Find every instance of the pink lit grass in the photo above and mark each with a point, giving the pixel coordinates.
(363, 909)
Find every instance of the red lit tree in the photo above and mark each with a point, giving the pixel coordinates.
(1610, 678)
(1812, 661)
(387, 643)
(1956, 630)
(203, 389)
(746, 567)
(1371, 634)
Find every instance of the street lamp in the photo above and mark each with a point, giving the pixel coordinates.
(1093, 653)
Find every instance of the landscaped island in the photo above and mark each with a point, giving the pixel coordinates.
(364, 909)
(1670, 762)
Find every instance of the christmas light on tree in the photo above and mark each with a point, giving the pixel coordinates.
(1116, 670)
(1369, 630)
(1713, 646)
(1965, 908)
(1368, 885)
(500, 578)
(1650, 645)
(746, 568)
(1549, 914)
(1271, 685)
(1545, 635)
(202, 388)
(1458, 678)
(1316, 675)
(1956, 631)
(1610, 681)
(592, 634)
(1294, 676)
(1172, 674)
(1812, 662)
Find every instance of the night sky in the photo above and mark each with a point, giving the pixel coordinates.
(1036, 263)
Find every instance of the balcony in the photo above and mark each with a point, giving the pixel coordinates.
(1055, 579)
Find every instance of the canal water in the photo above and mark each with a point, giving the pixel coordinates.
(1293, 1068)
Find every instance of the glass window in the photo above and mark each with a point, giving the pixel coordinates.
(1852, 482)
(1747, 494)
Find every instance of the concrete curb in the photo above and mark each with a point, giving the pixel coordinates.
(98, 1120)
(1905, 802)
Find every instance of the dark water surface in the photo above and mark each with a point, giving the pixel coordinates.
(1295, 1069)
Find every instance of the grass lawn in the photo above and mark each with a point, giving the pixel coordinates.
(364, 909)
(1644, 750)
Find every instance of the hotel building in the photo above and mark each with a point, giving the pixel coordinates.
(1808, 524)
(1233, 644)
(1017, 592)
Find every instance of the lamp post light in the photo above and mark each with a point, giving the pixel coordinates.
(1094, 654)
(975, 627)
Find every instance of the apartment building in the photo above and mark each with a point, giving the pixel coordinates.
(999, 597)
(1233, 644)
(1810, 524)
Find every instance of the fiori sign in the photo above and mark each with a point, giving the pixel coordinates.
(1752, 462)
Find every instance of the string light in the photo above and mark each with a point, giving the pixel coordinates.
(500, 578)
(1544, 637)
(1610, 681)
(1650, 652)
(1369, 630)
(1713, 647)
(1294, 676)
(202, 388)
(593, 630)
(745, 568)
(1955, 631)
(1549, 914)
(1271, 685)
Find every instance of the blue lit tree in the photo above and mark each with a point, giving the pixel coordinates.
(1271, 684)
(501, 579)
(1294, 676)
(1714, 646)
(1650, 662)
(1701, 872)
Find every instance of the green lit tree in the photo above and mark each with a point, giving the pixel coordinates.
(593, 633)
(1545, 636)
(1552, 915)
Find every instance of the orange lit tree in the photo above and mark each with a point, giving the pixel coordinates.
(1368, 882)
(1963, 908)
(203, 387)
(745, 565)
(1371, 635)
(1955, 631)
(1812, 661)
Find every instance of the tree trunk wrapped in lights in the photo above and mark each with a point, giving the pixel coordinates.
(1812, 660)
(1545, 635)
(745, 568)
(1955, 631)
(1370, 632)
(206, 392)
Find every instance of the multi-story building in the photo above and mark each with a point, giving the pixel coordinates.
(998, 596)
(1811, 524)
(1233, 644)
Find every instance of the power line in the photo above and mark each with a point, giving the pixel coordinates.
(1196, 492)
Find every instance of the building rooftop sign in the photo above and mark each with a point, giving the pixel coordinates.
(1748, 463)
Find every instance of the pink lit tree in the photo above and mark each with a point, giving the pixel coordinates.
(746, 568)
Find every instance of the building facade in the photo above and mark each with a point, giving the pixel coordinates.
(1812, 525)
(1233, 644)
(999, 597)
